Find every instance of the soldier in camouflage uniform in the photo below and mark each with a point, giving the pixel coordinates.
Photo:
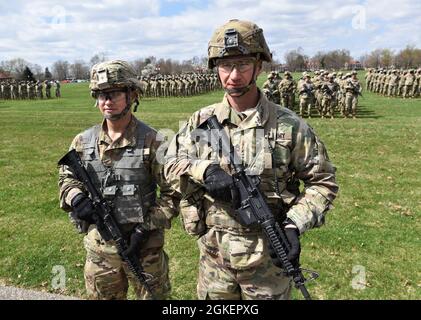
(353, 89)
(58, 91)
(306, 93)
(121, 158)
(393, 83)
(329, 89)
(270, 89)
(416, 86)
(409, 82)
(234, 259)
(287, 91)
(47, 89)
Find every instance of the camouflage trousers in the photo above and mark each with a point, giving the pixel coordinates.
(351, 102)
(287, 101)
(306, 102)
(238, 267)
(328, 106)
(107, 277)
(392, 91)
(407, 90)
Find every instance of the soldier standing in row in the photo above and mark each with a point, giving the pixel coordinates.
(58, 91)
(306, 94)
(287, 91)
(353, 89)
(270, 89)
(47, 89)
(121, 158)
(235, 261)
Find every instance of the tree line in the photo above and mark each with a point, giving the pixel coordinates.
(297, 60)
(21, 69)
(294, 60)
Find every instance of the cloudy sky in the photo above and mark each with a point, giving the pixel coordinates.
(43, 31)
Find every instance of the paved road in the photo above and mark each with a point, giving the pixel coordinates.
(12, 293)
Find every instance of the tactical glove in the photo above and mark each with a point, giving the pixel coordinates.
(137, 239)
(83, 208)
(220, 185)
(293, 236)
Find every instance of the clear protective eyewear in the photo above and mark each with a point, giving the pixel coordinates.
(111, 95)
(241, 66)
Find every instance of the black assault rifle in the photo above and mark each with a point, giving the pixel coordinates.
(254, 209)
(104, 220)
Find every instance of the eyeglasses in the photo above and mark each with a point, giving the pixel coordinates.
(111, 95)
(241, 66)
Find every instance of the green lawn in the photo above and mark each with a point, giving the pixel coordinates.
(374, 227)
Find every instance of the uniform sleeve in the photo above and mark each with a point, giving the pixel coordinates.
(167, 203)
(312, 166)
(182, 162)
(69, 186)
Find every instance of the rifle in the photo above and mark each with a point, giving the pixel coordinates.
(354, 88)
(104, 220)
(254, 209)
(307, 89)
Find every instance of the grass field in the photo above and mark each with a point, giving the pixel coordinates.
(369, 248)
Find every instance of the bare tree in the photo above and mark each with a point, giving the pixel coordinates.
(374, 59)
(97, 58)
(296, 60)
(386, 58)
(61, 70)
(79, 70)
(15, 66)
(410, 57)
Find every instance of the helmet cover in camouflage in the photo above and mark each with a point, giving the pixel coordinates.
(236, 38)
(113, 74)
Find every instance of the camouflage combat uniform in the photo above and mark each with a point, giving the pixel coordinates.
(353, 88)
(127, 172)
(234, 260)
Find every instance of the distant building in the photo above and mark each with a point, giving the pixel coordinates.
(353, 65)
(5, 76)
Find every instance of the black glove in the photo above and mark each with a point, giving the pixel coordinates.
(292, 235)
(137, 239)
(83, 207)
(220, 185)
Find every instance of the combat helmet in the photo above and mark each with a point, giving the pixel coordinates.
(238, 37)
(113, 74)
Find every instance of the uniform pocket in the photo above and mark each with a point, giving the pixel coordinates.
(193, 217)
(246, 251)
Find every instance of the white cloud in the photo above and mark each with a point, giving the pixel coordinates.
(44, 31)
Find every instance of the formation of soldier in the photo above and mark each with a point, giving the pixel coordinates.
(22, 90)
(180, 85)
(394, 82)
(327, 93)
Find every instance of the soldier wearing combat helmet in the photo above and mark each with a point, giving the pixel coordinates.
(270, 89)
(121, 158)
(275, 145)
